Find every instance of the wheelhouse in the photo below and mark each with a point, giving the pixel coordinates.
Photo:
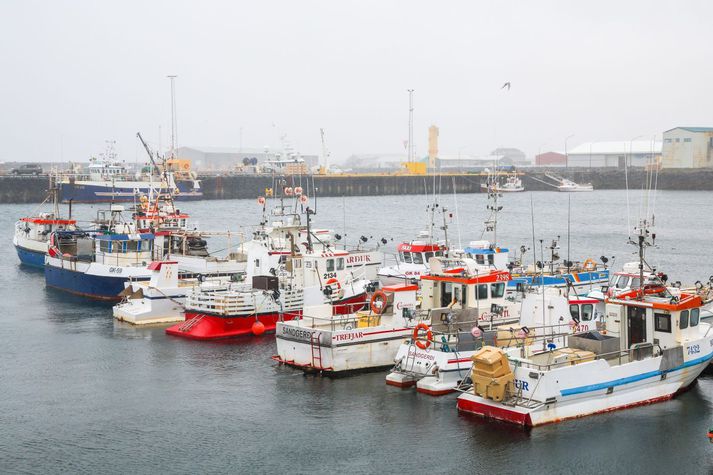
(418, 252)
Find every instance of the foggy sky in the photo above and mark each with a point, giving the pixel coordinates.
(76, 73)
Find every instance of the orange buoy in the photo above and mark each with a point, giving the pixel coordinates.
(378, 302)
(258, 328)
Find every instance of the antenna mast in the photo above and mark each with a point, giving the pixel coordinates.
(410, 125)
(325, 152)
(174, 123)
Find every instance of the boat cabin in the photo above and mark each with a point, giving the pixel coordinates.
(124, 249)
(486, 254)
(461, 284)
(666, 318)
(38, 228)
(419, 252)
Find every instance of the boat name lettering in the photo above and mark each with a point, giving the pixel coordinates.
(358, 258)
(487, 315)
(402, 305)
(297, 333)
(348, 336)
(520, 384)
(419, 354)
(693, 349)
(115, 270)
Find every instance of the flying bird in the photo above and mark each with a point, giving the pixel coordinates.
(507, 84)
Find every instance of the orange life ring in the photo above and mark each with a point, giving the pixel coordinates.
(380, 297)
(589, 264)
(186, 166)
(416, 336)
(334, 281)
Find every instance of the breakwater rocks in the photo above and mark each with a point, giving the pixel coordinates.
(34, 189)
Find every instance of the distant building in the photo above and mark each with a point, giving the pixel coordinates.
(514, 156)
(227, 158)
(613, 154)
(466, 162)
(688, 147)
(550, 159)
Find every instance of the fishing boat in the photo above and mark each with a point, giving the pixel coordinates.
(32, 233)
(320, 340)
(511, 184)
(107, 179)
(654, 346)
(567, 185)
(439, 364)
(96, 264)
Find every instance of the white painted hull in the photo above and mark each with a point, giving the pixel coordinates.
(340, 350)
(589, 388)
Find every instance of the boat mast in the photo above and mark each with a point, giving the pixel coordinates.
(174, 124)
(410, 125)
(491, 225)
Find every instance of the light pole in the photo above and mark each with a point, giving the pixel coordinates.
(566, 156)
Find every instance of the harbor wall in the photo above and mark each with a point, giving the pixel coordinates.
(22, 189)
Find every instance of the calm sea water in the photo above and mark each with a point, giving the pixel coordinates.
(80, 392)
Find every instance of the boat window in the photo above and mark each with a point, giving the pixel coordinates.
(587, 312)
(417, 258)
(407, 257)
(146, 245)
(662, 322)
(491, 259)
(105, 246)
(464, 295)
(439, 253)
(683, 320)
(635, 283)
(574, 311)
(497, 290)
(330, 265)
(132, 246)
(429, 255)
(479, 259)
(340, 263)
(622, 282)
(446, 294)
(482, 292)
(257, 262)
(308, 264)
(695, 316)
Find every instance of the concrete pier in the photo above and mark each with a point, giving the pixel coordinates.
(34, 189)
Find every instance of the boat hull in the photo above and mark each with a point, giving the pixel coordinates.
(96, 192)
(633, 390)
(215, 327)
(577, 279)
(30, 258)
(86, 284)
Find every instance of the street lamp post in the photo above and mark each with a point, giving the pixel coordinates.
(566, 156)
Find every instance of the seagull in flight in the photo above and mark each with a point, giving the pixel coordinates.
(507, 84)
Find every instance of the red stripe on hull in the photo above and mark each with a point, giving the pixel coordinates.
(211, 327)
(402, 385)
(432, 392)
(491, 412)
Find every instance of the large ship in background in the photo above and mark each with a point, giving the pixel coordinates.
(107, 179)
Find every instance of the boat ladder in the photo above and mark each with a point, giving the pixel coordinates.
(188, 324)
(316, 350)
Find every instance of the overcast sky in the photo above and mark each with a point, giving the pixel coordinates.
(76, 73)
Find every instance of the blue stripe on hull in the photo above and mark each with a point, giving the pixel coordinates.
(88, 193)
(30, 258)
(585, 278)
(79, 283)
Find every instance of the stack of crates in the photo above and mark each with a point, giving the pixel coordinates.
(491, 373)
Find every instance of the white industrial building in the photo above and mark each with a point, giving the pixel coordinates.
(613, 154)
(688, 147)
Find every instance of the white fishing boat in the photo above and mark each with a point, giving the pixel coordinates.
(438, 365)
(367, 339)
(511, 184)
(571, 187)
(653, 347)
(32, 233)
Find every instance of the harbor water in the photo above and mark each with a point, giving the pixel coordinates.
(82, 393)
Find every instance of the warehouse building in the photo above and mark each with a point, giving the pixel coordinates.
(688, 147)
(614, 154)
